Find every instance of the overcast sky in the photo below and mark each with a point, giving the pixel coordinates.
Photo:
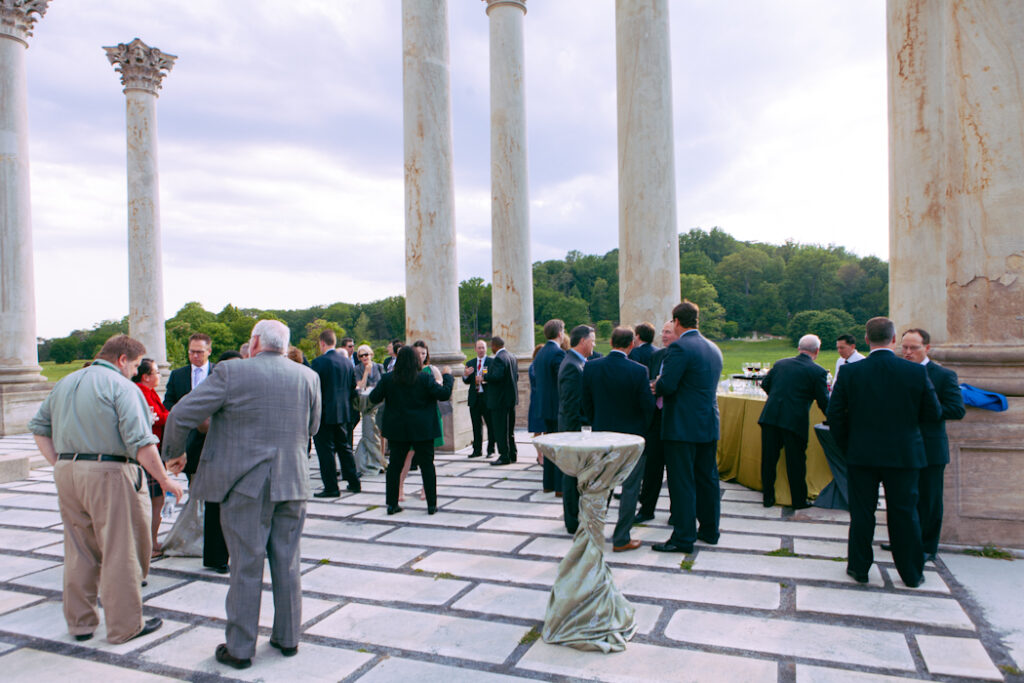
(280, 141)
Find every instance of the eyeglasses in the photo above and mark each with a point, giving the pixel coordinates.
(363, 355)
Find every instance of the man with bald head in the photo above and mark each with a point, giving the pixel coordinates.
(263, 413)
(792, 385)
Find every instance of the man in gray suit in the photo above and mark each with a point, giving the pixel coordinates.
(264, 411)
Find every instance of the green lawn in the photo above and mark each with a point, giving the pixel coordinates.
(54, 371)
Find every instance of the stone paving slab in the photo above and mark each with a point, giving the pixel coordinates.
(883, 649)
(399, 669)
(688, 587)
(449, 538)
(806, 673)
(193, 650)
(506, 507)
(31, 518)
(873, 605)
(34, 666)
(490, 568)
(645, 663)
(382, 586)
(18, 539)
(472, 639)
(13, 566)
(53, 580)
(207, 599)
(352, 552)
(12, 600)
(420, 517)
(356, 530)
(957, 657)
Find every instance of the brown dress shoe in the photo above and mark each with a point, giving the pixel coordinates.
(632, 545)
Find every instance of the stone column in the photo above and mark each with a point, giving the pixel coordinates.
(648, 237)
(956, 184)
(431, 276)
(142, 70)
(512, 290)
(22, 387)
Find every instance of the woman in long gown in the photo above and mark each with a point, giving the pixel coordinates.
(368, 454)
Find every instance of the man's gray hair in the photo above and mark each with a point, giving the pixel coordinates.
(273, 335)
(809, 343)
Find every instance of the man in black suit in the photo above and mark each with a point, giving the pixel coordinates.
(337, 385)
(570, 410)
(875, 413)
(689, 430)
(617, 398)
(915, 345)
(654, 449)
(545, 369)
(502, 398)
(393, 347)
(792, 384)
(478, 413)
(644, 349)
(179, 384)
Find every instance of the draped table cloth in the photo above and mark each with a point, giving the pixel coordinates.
(585, 610)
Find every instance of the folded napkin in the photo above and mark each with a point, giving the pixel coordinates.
(980, 398)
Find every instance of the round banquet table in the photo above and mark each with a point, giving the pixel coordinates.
(585, 610)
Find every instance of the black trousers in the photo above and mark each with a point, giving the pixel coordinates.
(773, 440)
(552, 477)
(423, 456)
(215, 548)
(929, 506)
(329, 440)
(479, 416)
(504, 422)
(654, 467)
(694, 491)
(901, 513)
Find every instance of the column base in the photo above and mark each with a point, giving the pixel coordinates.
(458, 429)
(18, 404)
(995, 367)
(984, 478)
(523, 409)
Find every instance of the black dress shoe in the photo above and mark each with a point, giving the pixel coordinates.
(150, 626)
(222, 655)
(286, 651)
(355, 488)
(887, 546)
(431, 509)
(802, 506)
(857, 576)
(392, 509)
(477, 455)
(327, 494)
(768, 500)
(918, 583)
(82, 637)
(222, 569)
(929, 557)
(500, 461)
(642, 517)
(707, 538)
(670, 547)
(617, 496)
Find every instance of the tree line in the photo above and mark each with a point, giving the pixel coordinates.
(742, 288)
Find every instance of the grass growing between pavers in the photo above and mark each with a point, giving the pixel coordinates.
(992, 552)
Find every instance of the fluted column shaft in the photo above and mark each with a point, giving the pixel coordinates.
(431, 277)
(512, 291)
(648, 236)
(19, 359)
(141, 70)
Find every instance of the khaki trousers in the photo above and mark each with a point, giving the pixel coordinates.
(107, 544)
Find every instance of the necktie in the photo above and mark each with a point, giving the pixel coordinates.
(480, 371)
(197, 377)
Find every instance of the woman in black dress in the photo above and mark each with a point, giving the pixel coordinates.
(410, 421)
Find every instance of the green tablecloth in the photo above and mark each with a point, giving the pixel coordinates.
(739, 448)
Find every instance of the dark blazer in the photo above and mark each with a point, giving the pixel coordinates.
(617, 395)
(410, 412)
(654, 364)
(947, 388)
(502, 381)
(534, 422)
(642, 354)
(470, 379)
(179, 384)
(689, 383)
(570, 394)
(594, 355)
(337, 385)
(792, 385)
(876, 409)
(546, 365)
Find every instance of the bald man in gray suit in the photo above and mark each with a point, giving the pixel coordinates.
(264, 411)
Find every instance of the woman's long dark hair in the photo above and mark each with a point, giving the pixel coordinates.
(145, 367)
(420, 344)
(407, 365)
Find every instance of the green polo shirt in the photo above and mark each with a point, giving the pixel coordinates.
(95, 410)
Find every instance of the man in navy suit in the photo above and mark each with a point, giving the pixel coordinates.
(792, 385)
(478, 413)
(875, 413)
(502, 398)
(654, 449)
(337, 386)
(689, 430)
(570, 410)
(617, 398)
(644, 349)
(545, 368)
(915, 345)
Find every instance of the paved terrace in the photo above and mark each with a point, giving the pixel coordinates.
(460, 596)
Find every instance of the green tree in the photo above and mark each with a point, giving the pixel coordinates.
(309, 345)
(701, 292)
(548, 304)
(361, 330)
(822, 323)
(65, 349)
(604, 329)
(810, 282)
(604, 301)
(221, 337)
(474, 308)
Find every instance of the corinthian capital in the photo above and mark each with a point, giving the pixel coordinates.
(142, 67)
(17, 17)
(519, 4)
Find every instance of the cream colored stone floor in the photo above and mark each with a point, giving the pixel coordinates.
(452, 597)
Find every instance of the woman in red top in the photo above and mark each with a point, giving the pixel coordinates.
(147, 379)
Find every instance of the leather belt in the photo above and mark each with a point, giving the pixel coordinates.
(101, 457)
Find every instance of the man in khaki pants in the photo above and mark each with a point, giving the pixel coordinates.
(94, 428)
